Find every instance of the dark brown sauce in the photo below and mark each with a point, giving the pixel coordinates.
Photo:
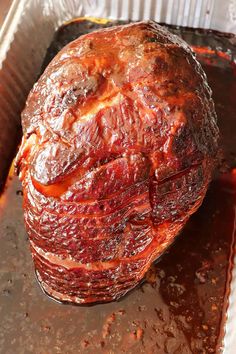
(180, 307)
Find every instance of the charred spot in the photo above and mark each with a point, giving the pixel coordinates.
(161, 64)
(78, 92)
(101, 207)
(152, 39)
(182, 141)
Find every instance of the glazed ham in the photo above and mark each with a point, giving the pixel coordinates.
(120, 141)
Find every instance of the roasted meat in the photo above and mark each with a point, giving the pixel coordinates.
(120, 141)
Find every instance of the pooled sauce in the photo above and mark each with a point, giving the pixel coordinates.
(180, 307)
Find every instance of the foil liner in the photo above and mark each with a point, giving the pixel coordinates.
(28, 31)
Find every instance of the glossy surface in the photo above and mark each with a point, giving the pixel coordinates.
(120, 140)
(179, 308)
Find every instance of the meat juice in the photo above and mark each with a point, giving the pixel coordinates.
(180, 308)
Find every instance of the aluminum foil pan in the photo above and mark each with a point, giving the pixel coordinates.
(28, 31)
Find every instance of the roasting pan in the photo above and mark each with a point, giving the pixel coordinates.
(150, 318)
